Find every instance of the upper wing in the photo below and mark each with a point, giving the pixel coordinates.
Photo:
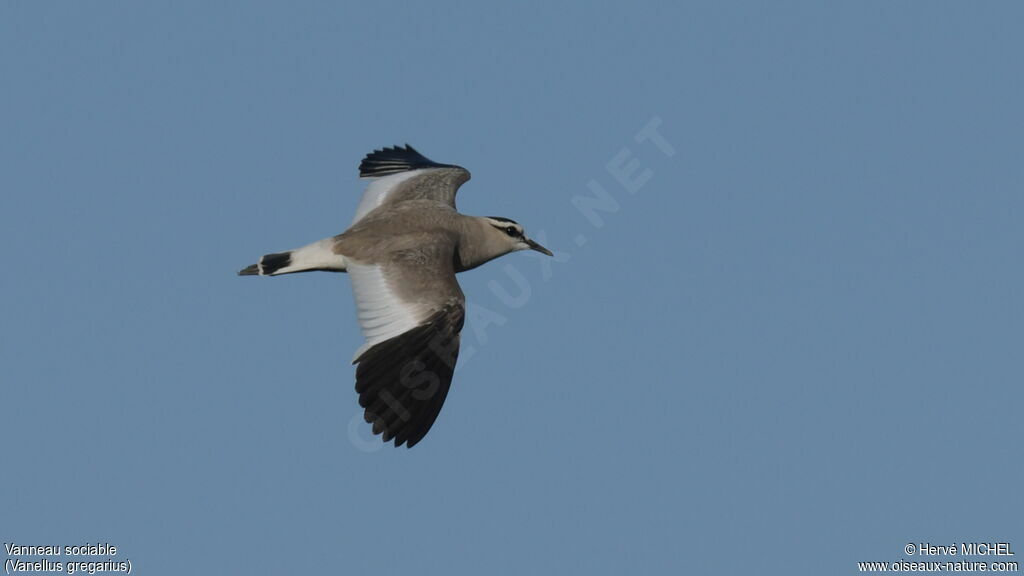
(411, 310)
(404, 174)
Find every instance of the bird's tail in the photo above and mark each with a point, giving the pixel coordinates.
(316, 256)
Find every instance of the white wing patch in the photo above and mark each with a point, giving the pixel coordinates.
(378, 191)
(382, 315)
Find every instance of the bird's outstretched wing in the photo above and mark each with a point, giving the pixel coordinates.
(411, 310)
(403, 382)
(401, 173)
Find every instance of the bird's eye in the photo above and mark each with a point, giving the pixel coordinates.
(511, 231)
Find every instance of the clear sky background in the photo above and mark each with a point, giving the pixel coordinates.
(795, 346)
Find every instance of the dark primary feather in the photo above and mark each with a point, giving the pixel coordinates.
(403, 382)
(395, 159)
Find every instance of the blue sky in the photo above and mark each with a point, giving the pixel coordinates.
(794, 345)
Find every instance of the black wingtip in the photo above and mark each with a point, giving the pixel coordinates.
(394, 160)
(252, 270)
(403, 382)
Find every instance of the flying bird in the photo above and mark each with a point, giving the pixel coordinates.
(402, 252)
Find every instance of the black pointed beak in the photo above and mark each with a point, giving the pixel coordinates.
(534, 246)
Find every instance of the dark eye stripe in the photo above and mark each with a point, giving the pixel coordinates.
(513, 231)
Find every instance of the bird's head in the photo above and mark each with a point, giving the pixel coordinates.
(510, 235)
